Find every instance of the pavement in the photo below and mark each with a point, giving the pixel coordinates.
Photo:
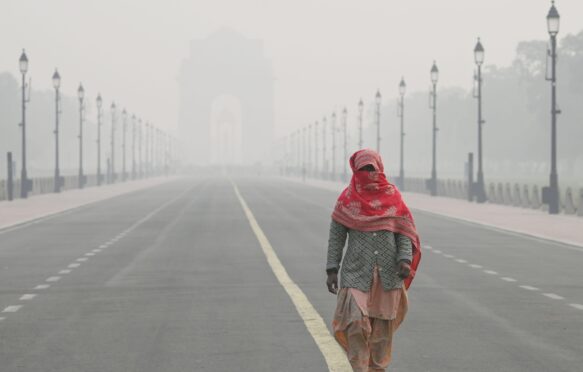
(175, 278)
(535, 223)
(20, 211)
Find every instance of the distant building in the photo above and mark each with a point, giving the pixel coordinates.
(226, 100)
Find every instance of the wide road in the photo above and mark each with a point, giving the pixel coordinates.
(173, 278)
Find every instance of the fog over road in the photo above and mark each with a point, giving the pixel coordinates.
(173, 278)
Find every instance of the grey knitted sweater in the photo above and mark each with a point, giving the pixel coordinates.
(365, 250)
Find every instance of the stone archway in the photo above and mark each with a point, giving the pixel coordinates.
(226, 64)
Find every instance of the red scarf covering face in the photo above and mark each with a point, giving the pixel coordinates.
(372, 203)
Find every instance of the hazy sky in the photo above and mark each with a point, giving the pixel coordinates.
(326, 53)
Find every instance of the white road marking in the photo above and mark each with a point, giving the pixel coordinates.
(2, 318)
(474, 266)
(460, 260)
(28, 296)
(529, 288)
(42, 286)
(508, 279)
(90, 254)
(437, 251)
(332, 352)
(447, 256)
(53, 279)
(577, 306)
(491, 272)
(103, 246)
(12, 309)
(74, 265)
(428, 247)
(64, 271)
(82, 259)
(554, 296)
(97, 250)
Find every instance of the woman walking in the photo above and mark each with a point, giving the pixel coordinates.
(382, 255)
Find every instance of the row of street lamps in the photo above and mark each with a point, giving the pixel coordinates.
(477, 189)
(158, 144)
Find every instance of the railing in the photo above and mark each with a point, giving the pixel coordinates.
(511, 194)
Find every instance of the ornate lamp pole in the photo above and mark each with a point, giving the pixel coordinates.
(24, 182)
(112, 164)
(133, 147)
(124, 115)
(378, 112)
(480, 189)
(344, 130)
(57, 85)
(81, 96)
(360, 109)
(433, 106)
(402, 91)
(99, 103)
(551, 193)
(333, 133)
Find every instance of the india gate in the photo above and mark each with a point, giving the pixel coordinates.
(226, 108)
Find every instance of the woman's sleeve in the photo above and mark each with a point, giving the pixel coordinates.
(336, 242)
(404, 248)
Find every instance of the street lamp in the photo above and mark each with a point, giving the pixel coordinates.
(57, 86)
(360, 109)
(479, 188)
(99, 103)
(344, 129)
(25, 184)
(333, 132)
(401, 114)
(81, 96)
(378, 112)
(124, 115)
(551, 193)
(133, 147)
(112, 161)
(433, 105)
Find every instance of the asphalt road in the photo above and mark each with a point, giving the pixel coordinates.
(173, 279)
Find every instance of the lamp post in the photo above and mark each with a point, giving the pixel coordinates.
(57, 86)
(333, 133)
(133, 147)
(81, 96)
(140, 153)
(99, 103)
(551, 193)
(360, 109)
(344, 130)
(24, 183)
(124, 115)
(316, 168)
(324, 163)
(402, 91)
(112, 164)
(479, 189)
(378, 113)
(433, 106)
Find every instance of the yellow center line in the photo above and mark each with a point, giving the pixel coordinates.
(332, 352)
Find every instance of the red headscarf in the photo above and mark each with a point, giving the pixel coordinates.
(371, 203)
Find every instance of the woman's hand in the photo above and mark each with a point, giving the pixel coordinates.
(404, 269)
(332, 283)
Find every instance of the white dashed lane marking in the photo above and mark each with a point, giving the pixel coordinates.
(474, 266)
(74, 265)
(53, 279)
(82, 259)
(461, 260)
(42, 286)
(27, 297)
(64, 271)
(437, 251)
(491, 272)
(12, 309)
(508, 279)
(529, 288)
(90, 254)
(447, 256)
(577, 306)
(553, 296)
